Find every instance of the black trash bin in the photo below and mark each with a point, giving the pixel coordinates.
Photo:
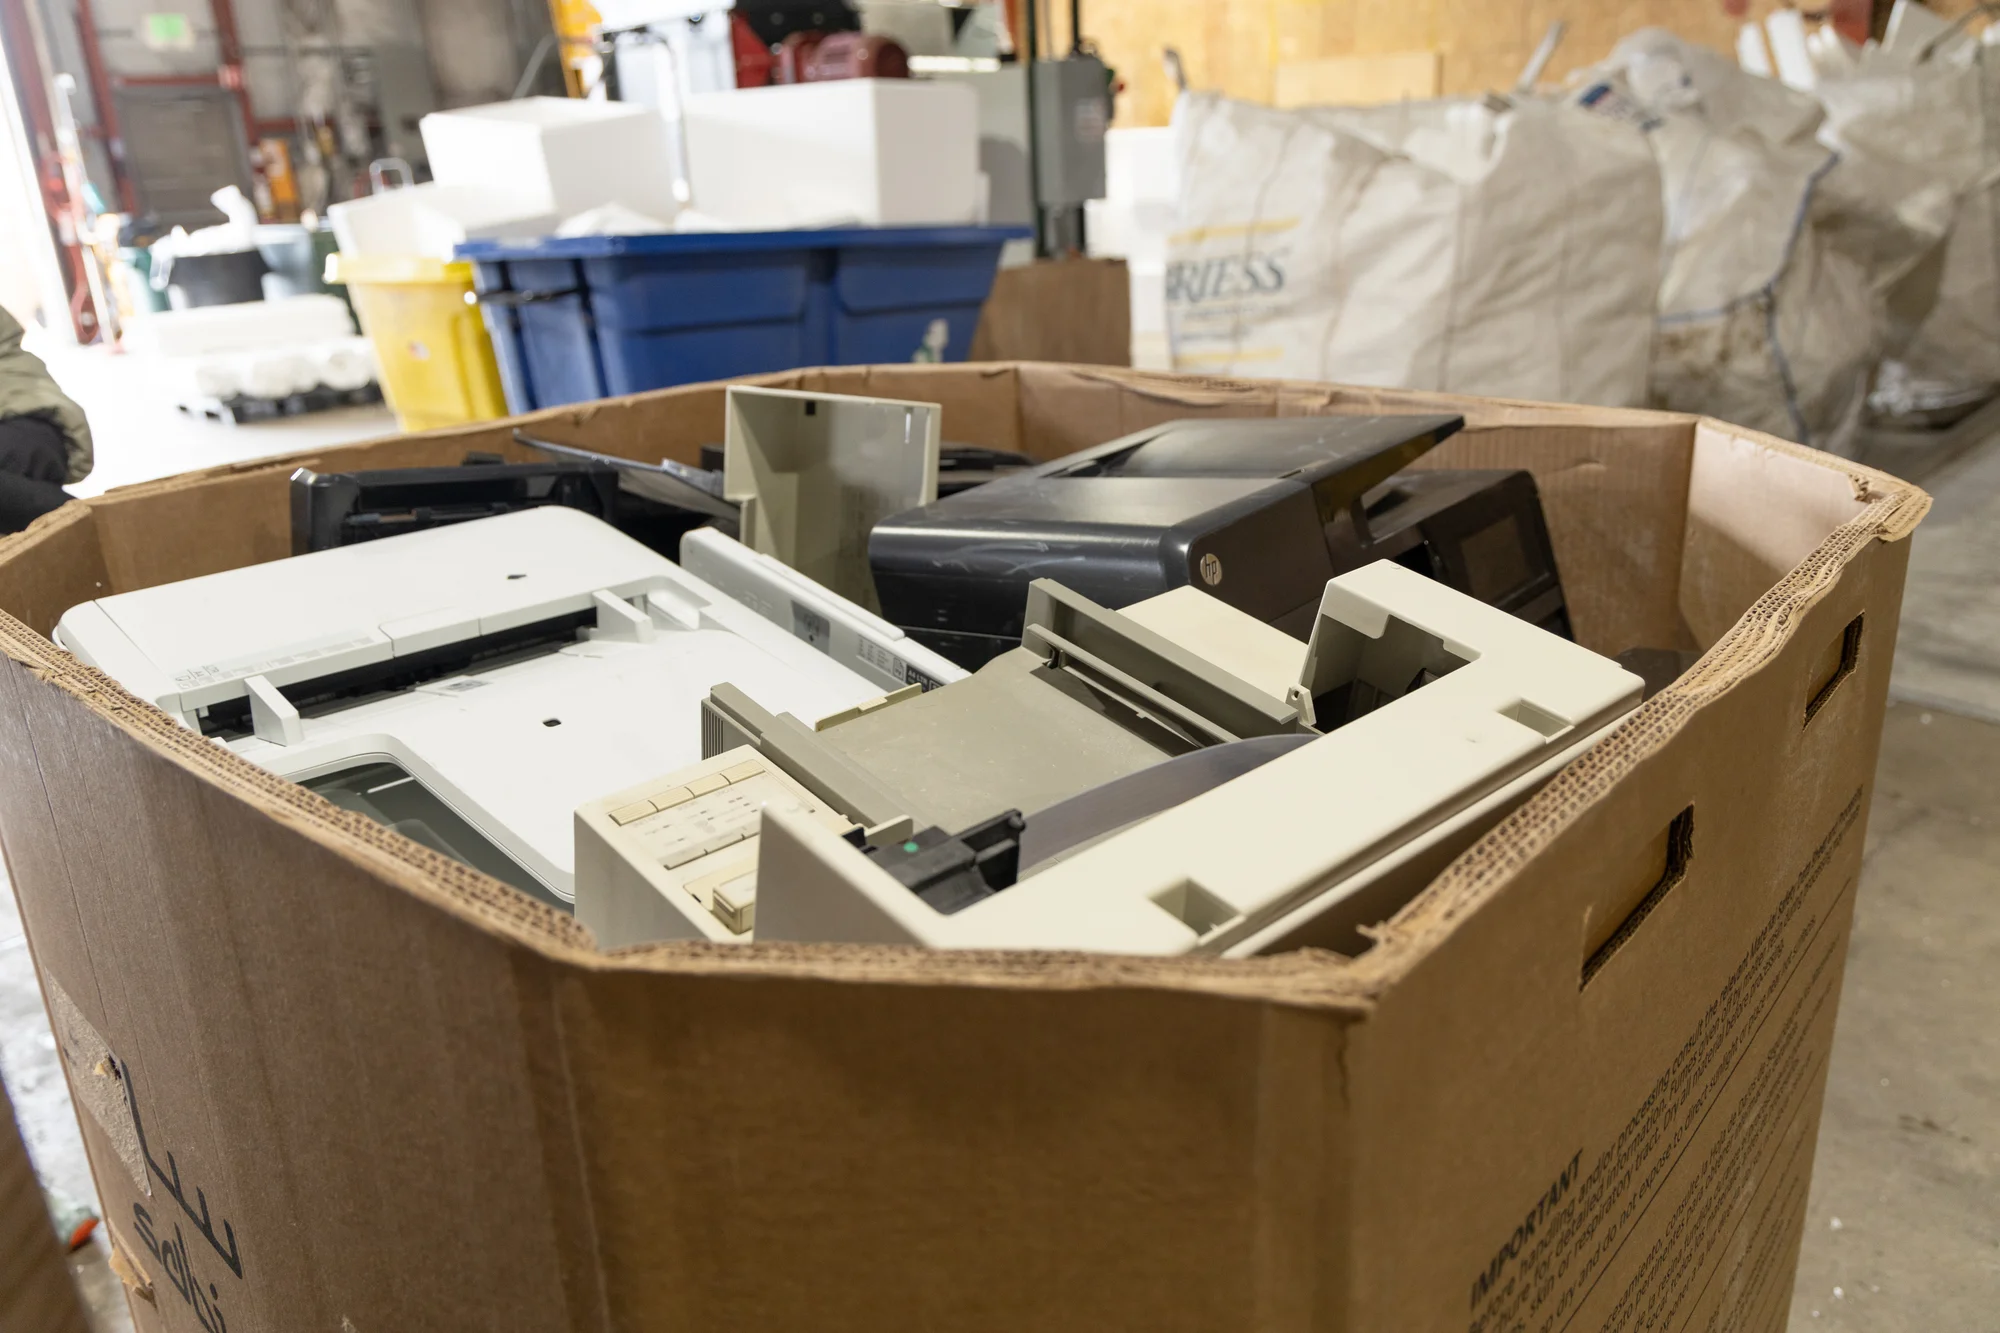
(225, 279)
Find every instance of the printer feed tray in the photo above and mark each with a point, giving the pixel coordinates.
(1233, 864)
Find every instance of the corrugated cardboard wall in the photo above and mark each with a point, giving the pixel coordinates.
(295, 1042)
(1235, 46)
(1659, 1163)
(380, 1105)
(1627, 596)
(35, 1289)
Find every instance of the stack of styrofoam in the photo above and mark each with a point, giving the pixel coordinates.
(570, 155)
(1132, 222)
(514, 171)
(294, 320)
(872, 152)
(432, 220)
(259, 349)
(340, 364)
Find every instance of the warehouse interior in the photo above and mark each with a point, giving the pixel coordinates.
(918, 421)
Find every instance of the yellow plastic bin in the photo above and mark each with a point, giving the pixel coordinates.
(437, 362)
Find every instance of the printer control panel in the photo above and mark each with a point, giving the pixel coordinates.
(686, 843)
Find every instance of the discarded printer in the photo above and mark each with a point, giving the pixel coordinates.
(1176, 777)
(1259, 513)
(653, 505)
(806, 477)
(471, 684)
(332, 509)
(809, 474)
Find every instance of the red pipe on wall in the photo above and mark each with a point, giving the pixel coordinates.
(23, 55)
(107, 105)
(229, 45)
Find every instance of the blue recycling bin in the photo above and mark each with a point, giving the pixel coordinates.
(586, 317)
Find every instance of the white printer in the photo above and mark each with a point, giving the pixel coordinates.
(1176, 777)
(471, 685)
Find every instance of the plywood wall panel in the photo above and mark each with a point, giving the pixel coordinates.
(1233, 46)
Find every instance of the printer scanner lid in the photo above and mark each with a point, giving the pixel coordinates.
(1365, 450)
(196, 642)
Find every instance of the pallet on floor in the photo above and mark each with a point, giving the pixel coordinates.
(241, 409)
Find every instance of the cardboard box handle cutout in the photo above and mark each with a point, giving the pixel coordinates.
(1670, 852)
(1834, 665)
(1662, 863)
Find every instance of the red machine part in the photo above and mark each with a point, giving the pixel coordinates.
(754, 60)
(856, 55)
(793, 53)
(818, 57)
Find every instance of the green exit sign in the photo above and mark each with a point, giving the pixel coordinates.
(166, 32)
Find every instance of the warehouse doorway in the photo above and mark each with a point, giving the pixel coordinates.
(31, 284)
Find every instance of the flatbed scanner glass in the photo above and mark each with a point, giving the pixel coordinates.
(390, 795)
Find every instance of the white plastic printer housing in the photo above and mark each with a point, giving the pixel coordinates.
(814, 473)
(513, 667)
(858, 640)
(1360, 817)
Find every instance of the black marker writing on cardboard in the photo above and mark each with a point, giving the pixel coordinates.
(172, 1254)
(169, 1179)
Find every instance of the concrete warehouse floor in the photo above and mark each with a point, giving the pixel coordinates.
(1903, 1224)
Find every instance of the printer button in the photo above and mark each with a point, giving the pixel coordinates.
(743, 772)
(680, 856)
(704, 887)
(721, 840)
(735, 903)
(671, 797)
(706, 783)
(625, 814)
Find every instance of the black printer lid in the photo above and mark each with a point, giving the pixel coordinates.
(1267, 447)
(1340, 457)
(1027, 502)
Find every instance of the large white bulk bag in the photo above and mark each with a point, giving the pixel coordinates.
(1936, 124)
(1485, 246)
(1779, 253)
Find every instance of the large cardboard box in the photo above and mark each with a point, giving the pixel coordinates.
(333, 1081)
(36, 1292)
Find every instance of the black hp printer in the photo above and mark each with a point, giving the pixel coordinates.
(1258, 512)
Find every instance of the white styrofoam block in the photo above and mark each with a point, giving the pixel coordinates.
(431, 220)
(573, 154)
(347, 363)
(1141, 186)
(193, 379)
(1124, 229)
(245, 326)
(1139, 165)
(1753, 53)
(270, 372)
(1787, 32)
(276, 374)
(879, 152)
